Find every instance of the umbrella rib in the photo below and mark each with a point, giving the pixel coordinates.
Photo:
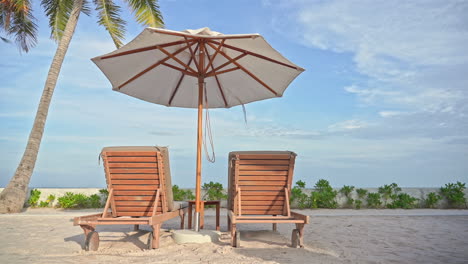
(215, 74)
(179, 69)
(150, 68)
(183, 75)
(247, 71)
(210, 60)
(226, 63)
(258, 55)
(177, 60)
(188, 35)
(144, 49)
(193, 53)
(210, 64)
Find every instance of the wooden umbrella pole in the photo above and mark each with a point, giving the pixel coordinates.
(201, 80)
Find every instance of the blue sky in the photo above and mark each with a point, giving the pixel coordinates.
(384, 97)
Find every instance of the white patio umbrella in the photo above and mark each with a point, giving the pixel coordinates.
(198, 69)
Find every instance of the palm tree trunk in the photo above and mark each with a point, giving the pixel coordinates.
(14, 195)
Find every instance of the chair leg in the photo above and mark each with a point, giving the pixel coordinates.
(233, 235)
(87, 229)
(300, 227)
(275, 227)
(156, 229)
(136, 227)
(229, 223)
(182, 219)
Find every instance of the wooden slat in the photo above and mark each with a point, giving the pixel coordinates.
(264, 162)
(263, 188)
(260, 207)
(273, 202)
(151, 193)
(265, 156)
(135, 187)
(136, 213)
(257, 183)
(135, 209)
(263, 167)
(264, 173)
(133, 198)
(131, 154)
(131, 159)
(136, 203)
(262, 198)
(132, 165)
(133, 176)
(131, 170)
(264, 193)
(135, 182)
(263, 178)
(262, 212)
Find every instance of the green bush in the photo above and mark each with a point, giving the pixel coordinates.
(48, 202)
(389, 192)
(403, 200)
(346, 191)
(34, 197)
(213, 191)
(78, 200)
(104, 194)
(454, 193)
(181, 195)
(361, 193)
(432, 200)
(373, 200)
(358, 204)
(323, 196)
(298, 196)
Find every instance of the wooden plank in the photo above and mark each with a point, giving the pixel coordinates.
(261, 207)
(136, 209)
(131, 153)
(133, 176)
(263, 198)
(263, 188)
(263, 178)
(272, 202)
(132, 165)
(264, 193)
(141, 193)
(131, 159)
(135, 187)
(279, 221)
(264, 173)
(136, 213)
(265, 156)
(135, 182)
(131, 170)
(257, 183)
(264, 162)
(262, 212)
(262, 167)
(133, 198)
(135, 203)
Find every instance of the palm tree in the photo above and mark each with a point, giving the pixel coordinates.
(63, 17)
(16, 20)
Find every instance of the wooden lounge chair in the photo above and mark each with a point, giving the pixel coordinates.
(140, 193)
(259, 189)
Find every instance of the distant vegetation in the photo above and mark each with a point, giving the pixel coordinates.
(321, 196)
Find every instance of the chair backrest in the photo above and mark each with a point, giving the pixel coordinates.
(134, 174)
(262, 177)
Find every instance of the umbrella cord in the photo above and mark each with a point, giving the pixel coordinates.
(208, 131)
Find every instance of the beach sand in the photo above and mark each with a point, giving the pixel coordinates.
(334, 236)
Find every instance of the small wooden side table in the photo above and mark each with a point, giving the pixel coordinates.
(202, 212)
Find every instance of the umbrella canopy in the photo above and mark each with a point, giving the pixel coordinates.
(198, 69)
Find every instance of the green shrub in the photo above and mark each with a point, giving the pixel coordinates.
(213, 191)
(346, 191)
(432, 200)
(361, 193)
(389, 192)
(94, 201)
(48, 202)
(104, 194)
(454, 193)
(67, 200)
(373, 200)
(181, 195)
(298, 196)
(403, 200)
(324, 195)
(79, 200)
(358, 204)
(34, 196)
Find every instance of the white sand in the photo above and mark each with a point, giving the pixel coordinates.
(334, 236)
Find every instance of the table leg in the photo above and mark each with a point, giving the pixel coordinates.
(218, 209)
(189, 222)
(202, 215)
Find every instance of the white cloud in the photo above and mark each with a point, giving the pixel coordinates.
(347, 125)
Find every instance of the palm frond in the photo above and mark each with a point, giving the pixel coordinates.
(18, 21)
(86, 9)
(58, 12)
(109, 17)
(147, 12)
